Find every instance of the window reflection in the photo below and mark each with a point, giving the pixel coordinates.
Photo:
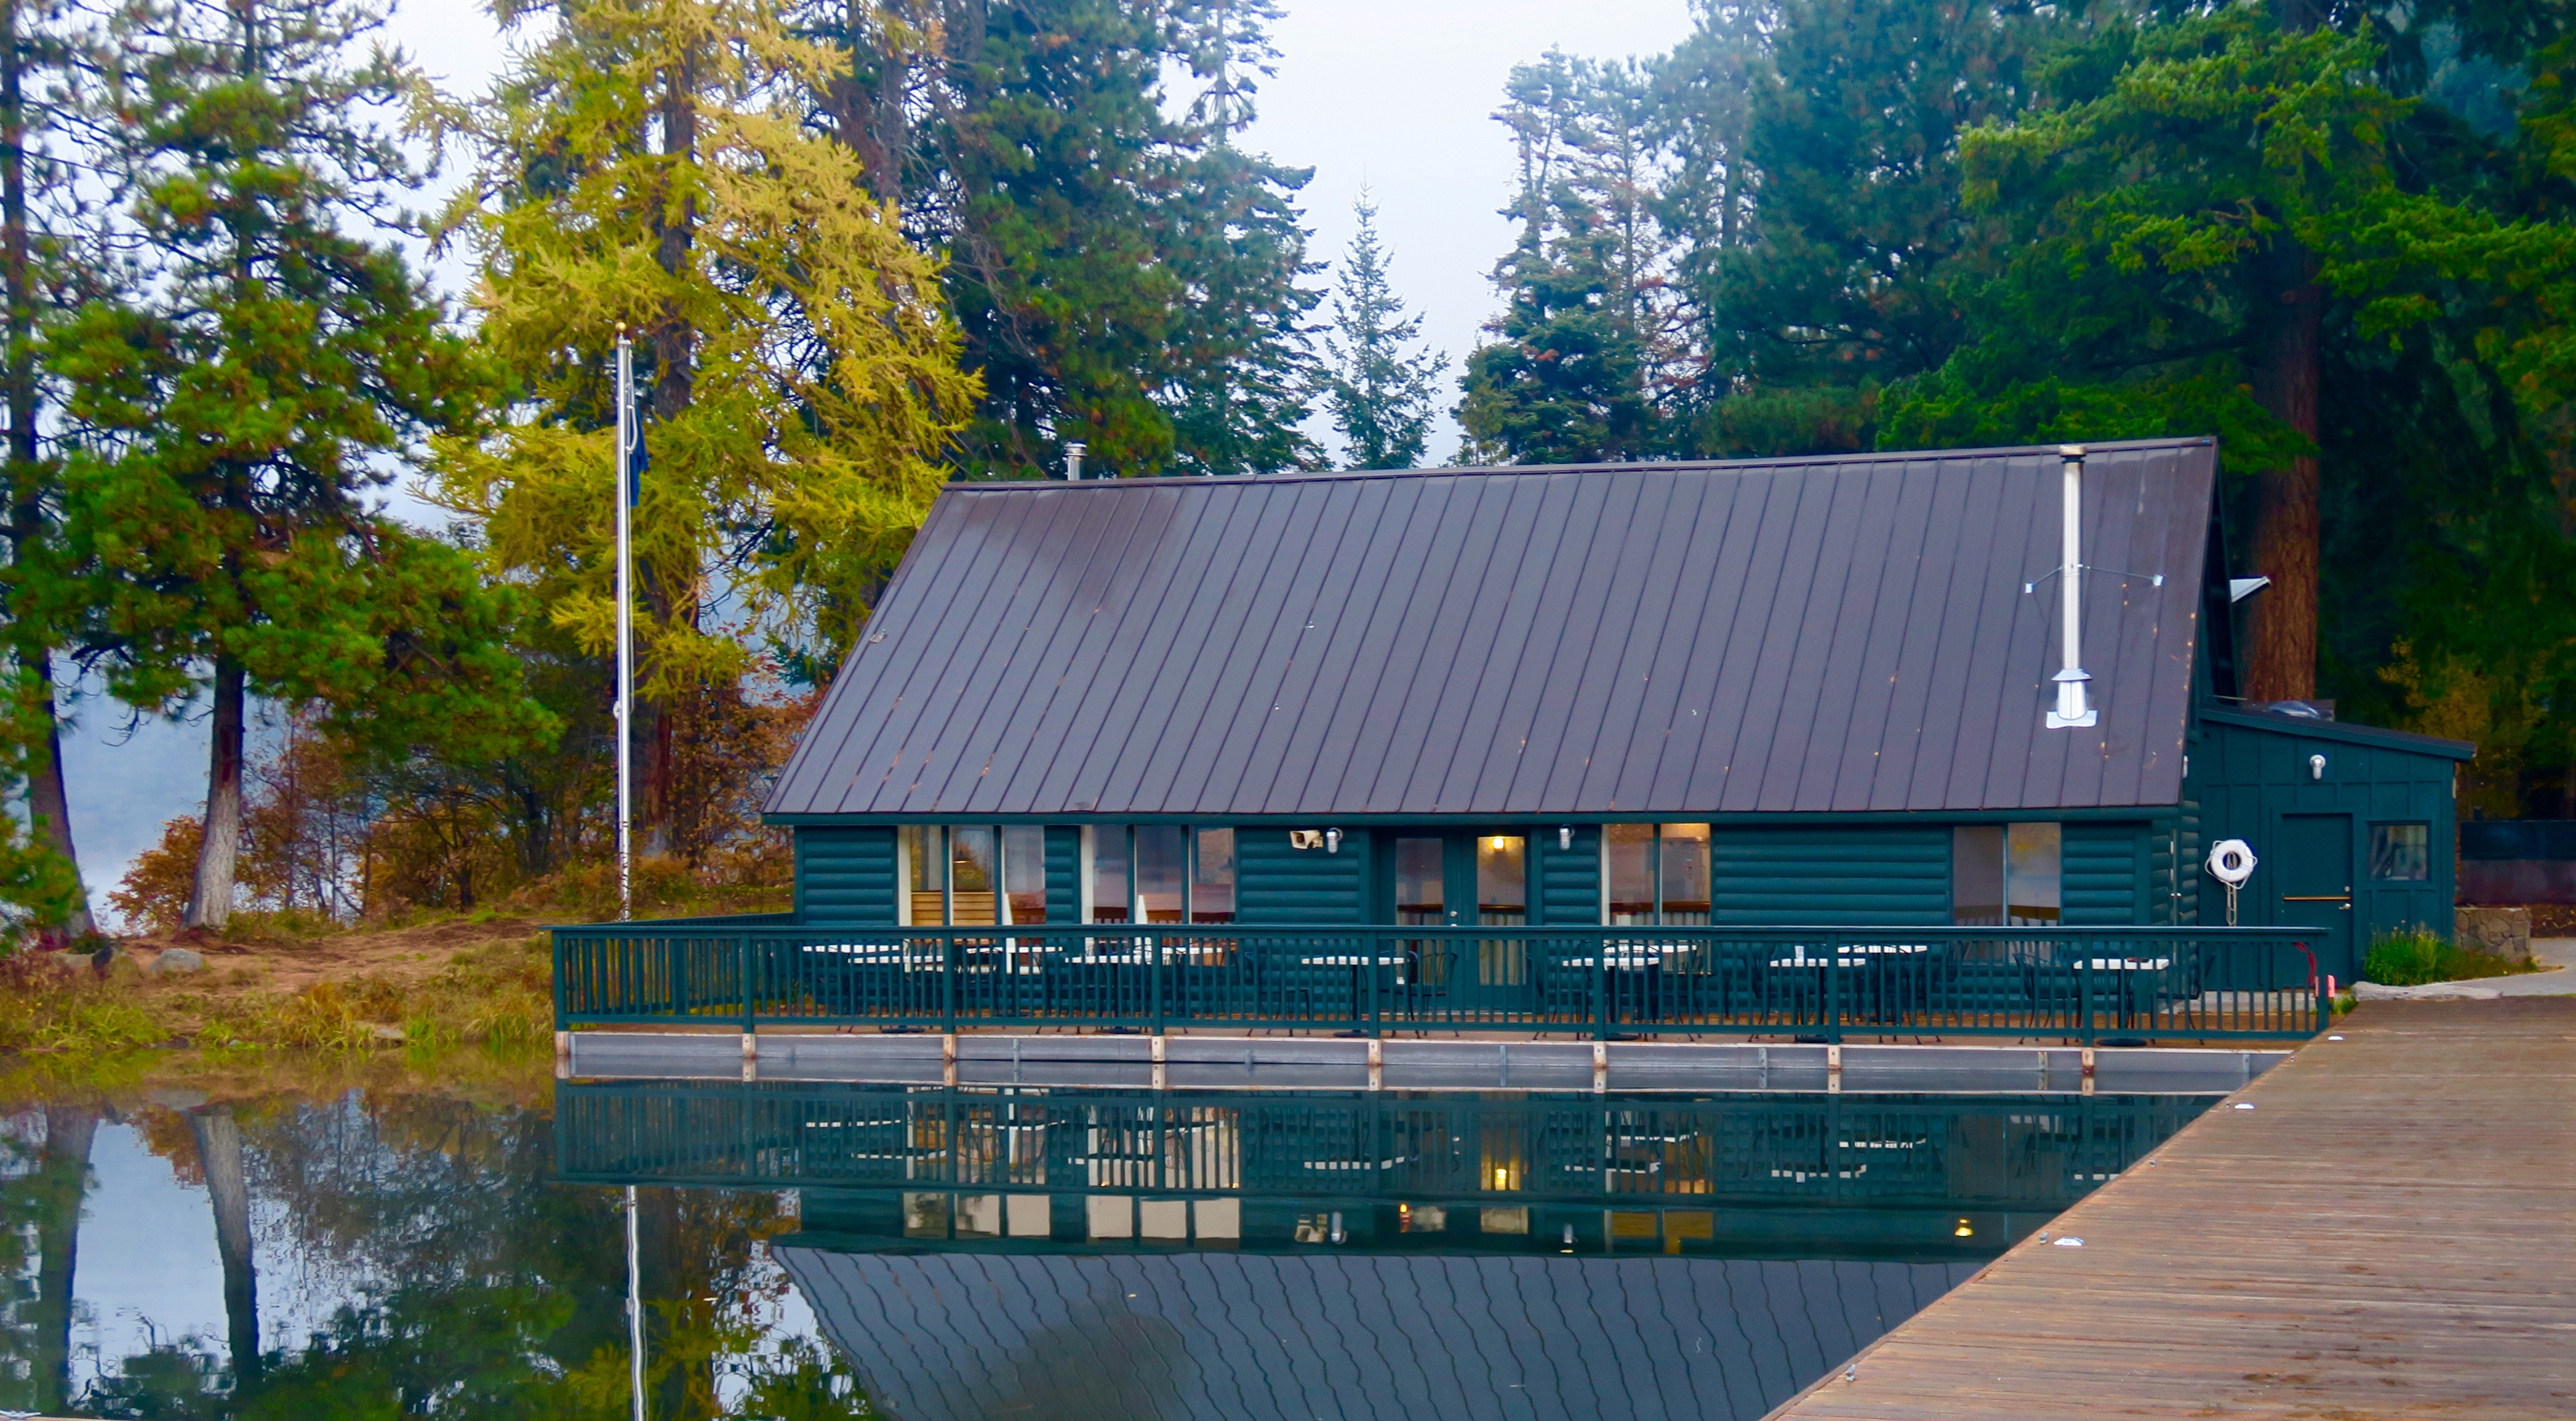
(1212, 887)
(1630, 850)
(1108, 874)
(1160, 867)
(1684, 873)
(1024, 874)
(924, 852)
(973, 881)
(2007, 874)
(2401, 851)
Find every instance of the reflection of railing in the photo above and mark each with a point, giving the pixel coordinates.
(2081, 983)
(1960, 1150)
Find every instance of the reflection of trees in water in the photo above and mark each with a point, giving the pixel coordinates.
(40, 1204)
(466, 1284)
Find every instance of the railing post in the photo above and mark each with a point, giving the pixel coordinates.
(750, 1009)
(1601, 988)
(1370, 950)
(2084, 993)
(1833, 970)
(948, 980)
(1155, 979)
(557, 938)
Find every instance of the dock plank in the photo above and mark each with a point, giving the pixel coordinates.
(2390, 1231)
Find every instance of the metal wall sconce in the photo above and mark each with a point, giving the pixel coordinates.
(1565, 838)
(2316, 767)
(1332, 841)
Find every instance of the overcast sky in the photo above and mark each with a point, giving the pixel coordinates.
(1392, 95)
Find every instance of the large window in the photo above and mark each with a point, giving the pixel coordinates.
(2006, 874)
(981, 875)
(1656, 873)
(1160, 873)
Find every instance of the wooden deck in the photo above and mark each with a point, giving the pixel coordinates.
(2391, 1231)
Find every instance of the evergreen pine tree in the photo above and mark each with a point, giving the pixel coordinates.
(1380, 397)
(241, 401)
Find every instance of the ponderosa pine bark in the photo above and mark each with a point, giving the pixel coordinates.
(2281, 663)
(70, 1132)
(48, 800)
(219, 1157)
(210, 902)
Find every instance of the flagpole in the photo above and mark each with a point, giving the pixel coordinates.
(625, 628)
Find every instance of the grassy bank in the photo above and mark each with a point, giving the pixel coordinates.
(363, 996)
(275, 982)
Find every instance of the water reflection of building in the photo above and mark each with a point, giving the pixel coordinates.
(1331, 1333)
(1125, 1254)
(1036, 1171)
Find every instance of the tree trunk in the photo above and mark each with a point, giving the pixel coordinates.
(2281, 662)
(210, 904)
(46, 797)
(64, 1167)
(219, 1156)
(668, 591)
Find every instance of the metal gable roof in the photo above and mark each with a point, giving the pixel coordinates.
(1825, 635)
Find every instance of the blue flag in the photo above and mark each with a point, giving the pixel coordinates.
(636, 463)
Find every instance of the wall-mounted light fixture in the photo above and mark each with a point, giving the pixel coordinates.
(1565, 838)
(1332, 841)
(2316, 767)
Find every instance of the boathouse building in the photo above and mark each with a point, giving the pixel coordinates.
(1783, 692)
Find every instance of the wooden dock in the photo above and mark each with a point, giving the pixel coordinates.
(2390, 1231)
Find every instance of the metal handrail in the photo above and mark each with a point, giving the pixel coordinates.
(1602, 982)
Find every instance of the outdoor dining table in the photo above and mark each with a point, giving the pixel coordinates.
(1635, 966)
(2126, 977)
(1890, 1000)
(1359, 962)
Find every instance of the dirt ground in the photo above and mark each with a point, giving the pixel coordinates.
(261, 964)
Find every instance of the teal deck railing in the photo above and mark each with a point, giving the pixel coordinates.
(1604, 983)
(1990, 1151)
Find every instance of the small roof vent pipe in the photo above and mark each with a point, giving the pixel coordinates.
(1073, 459)
(2073, 710)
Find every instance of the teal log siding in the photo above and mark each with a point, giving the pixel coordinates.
(2247, 774)
(1276, 884)
(845, 877)
(1063, 874)
(1569, 879)
(1862, 876)
(2102, 871)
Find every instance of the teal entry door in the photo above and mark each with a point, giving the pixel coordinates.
(2311, 871)
(1456, 879)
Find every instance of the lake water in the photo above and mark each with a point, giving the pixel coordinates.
(810, 1250)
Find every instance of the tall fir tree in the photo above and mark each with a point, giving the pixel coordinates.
(1576, 373)
(242, 401)
(1123, 273)
(649, 166)
(1380, 394)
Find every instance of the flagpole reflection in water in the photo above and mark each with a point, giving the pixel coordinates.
(634, 1307)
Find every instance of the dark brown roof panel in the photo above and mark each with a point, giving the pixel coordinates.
(1821, 635)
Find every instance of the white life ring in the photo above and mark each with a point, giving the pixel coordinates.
(2231, 861)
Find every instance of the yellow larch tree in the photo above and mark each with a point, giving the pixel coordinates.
(646, 164)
